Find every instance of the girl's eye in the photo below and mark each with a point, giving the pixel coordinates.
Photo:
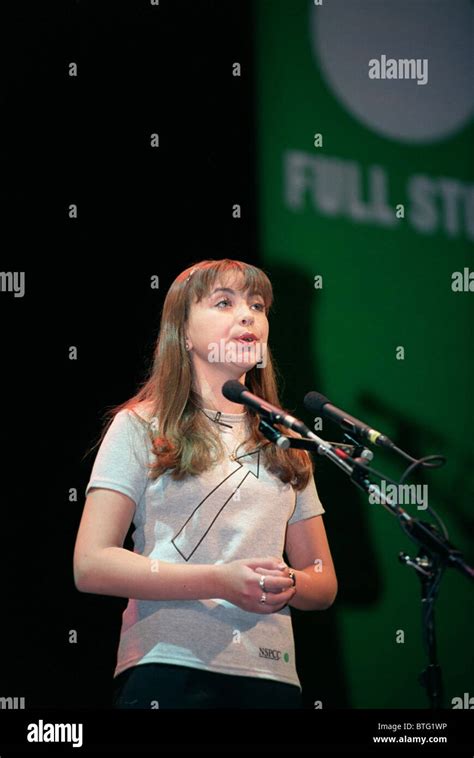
(226, 300)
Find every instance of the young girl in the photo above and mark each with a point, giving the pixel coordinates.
(214, 504)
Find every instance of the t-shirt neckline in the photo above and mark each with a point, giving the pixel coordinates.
(231, 418)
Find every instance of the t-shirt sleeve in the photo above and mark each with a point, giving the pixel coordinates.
(308, 503)
(122, 458)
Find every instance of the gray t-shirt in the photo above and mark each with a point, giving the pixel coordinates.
(235, 510)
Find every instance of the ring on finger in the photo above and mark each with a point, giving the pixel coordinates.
(262, 584)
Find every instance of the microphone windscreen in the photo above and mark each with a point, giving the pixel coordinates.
(232, 390)
(314, 401)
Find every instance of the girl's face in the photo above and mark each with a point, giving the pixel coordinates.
(219, 319)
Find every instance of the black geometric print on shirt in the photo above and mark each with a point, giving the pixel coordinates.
(198, 524)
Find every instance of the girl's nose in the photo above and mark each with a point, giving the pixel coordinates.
(246, 314)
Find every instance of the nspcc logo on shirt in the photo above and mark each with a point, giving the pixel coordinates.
(266, 652)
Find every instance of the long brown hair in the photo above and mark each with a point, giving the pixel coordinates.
(183, 440)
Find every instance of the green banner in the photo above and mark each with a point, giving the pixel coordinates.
(364, 143)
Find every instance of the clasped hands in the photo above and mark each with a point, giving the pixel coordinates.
(281, 571)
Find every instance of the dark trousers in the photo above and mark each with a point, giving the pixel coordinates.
(163, 685)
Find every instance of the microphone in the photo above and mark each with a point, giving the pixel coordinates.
(238, 393)
(314, 402)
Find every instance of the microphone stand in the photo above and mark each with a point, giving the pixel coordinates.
(435, 553)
